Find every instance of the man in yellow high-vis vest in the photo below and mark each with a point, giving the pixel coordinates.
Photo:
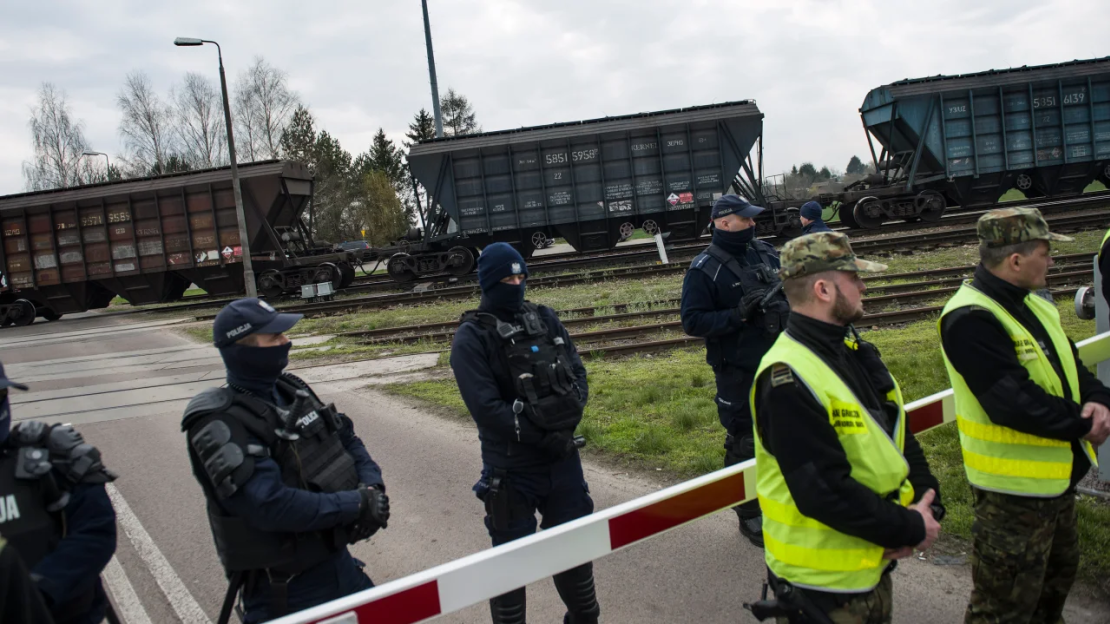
(1028, 412)
(844, 486)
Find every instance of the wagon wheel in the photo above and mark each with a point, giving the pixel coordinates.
(930, 206)
(868, 213)
(271, 284)
(328, 272)
(626, 230)
(460, 261)
(21, 313)
(1024, 182)
(650, 227)
(400, 269)
(539, 240)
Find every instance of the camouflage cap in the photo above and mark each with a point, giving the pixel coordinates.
(1010, 226)
(822, 251)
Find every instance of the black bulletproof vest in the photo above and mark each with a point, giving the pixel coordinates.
(304, 441)
(31, 509)
(24, 519)
(754, 340)
(539, 368)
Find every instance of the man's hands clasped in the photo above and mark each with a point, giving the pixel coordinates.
(932, 528)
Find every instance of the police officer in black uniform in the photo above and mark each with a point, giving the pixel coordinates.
(732, 297)
(55, 512)
(520, 376)
(288, 483)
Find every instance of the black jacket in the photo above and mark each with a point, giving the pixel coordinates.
(983, 353)
(711, 297)
(794, 427)
(478, 364)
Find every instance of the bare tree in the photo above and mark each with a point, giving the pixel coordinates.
(199, 118)
(146, 126)
(58, 140)
(263, 107)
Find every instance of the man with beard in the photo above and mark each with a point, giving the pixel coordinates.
(1030, 417)
(524, 384)
(288, 483)
(844, 485)
(732, 297)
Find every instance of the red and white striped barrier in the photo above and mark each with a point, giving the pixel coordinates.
(477, 578)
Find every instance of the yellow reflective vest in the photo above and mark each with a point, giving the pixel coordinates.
(798, 548)
(998, 458)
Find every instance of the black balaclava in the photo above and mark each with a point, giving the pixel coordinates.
(256, 369)
(498, 261)
(735, 243)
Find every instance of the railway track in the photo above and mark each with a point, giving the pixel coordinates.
(902, 293)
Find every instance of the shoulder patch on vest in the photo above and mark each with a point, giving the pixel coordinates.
(208, 401)
(781, 375)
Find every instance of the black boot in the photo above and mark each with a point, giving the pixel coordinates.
(576, 588)
(508, 608)
(751, 526)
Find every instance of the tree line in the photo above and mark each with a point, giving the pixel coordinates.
(368, 195)
(803, 181)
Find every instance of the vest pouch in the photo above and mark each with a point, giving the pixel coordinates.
(319, 463)
(556, 412)
(242, 548)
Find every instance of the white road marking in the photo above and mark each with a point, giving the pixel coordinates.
(183, 603)
(131, 609)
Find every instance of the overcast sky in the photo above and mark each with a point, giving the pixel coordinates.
(360, 65)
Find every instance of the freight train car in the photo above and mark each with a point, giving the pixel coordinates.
(590, 182)
(146, 240)
(965, 140)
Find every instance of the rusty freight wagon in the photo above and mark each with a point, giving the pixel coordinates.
(146, 240)
(591, 182)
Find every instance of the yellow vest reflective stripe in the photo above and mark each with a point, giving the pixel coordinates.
(1105, 237)
(798, 548)
(998, 458)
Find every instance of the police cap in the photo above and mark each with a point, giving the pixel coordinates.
(244, 317)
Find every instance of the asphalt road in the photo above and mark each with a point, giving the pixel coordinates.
(124, 382)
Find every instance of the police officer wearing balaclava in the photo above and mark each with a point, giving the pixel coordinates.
(810, 214)
(288, 483)
(520, 376)
(55, 512)
(732, 297)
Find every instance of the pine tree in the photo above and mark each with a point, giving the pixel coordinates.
(855, 165)
(298, 141)
(459, 117)
(422, 128)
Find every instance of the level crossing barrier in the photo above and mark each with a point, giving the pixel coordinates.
(477, 578)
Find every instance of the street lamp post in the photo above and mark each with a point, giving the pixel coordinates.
(432, 70)
(107, 163)
(248, 268)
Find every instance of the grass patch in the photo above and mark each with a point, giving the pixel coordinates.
(639, 417)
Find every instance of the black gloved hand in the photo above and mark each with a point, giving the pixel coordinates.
(749, 304)
(558, 443)
(373, 513)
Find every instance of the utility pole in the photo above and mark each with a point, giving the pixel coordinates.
(432, 70)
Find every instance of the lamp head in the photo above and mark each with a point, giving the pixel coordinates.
(187, 41)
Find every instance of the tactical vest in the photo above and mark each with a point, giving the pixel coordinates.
(539, 368)
(34, 491)
(304, 441)
(798, 548)
(755, 278)
(998, 458)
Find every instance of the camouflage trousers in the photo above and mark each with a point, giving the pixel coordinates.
(1024, 558)
(873, 607)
